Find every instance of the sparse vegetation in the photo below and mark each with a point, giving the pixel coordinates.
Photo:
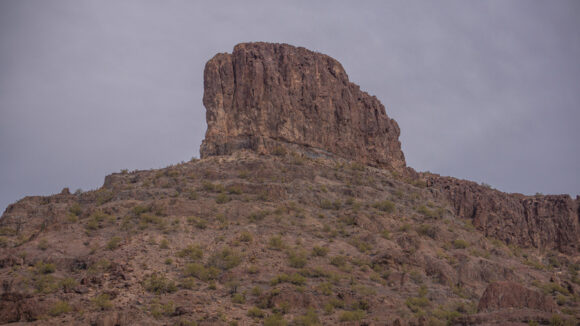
(338, 261)
(44, 268)
(294, 278)
(191, 252)
(319, 251)
(256, 312)
(114, 243)
(310, 318)
(428, 230)
(385, 206)
(199, 271)
(355, 315)
(246, 237)
(276, 243)
(225, 259)
(159, 284)
(297, 259)
(460, 244)
(102, 302)
(60, 308)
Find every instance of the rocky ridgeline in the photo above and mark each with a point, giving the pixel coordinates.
(547, 222)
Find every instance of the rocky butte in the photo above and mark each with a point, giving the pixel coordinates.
(302, 211)
(265, 97)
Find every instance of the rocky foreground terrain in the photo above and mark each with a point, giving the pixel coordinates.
(302, 211)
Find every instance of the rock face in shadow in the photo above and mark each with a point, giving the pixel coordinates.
(503, 295)
(265, 96)
(550, 221)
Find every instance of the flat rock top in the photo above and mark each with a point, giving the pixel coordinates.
(265, 95)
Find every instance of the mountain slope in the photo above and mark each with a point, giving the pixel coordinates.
(279, 230)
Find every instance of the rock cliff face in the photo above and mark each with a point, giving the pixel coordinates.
(550, 222)
(264, 96)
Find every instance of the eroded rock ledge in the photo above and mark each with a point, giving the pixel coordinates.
(550, 221)
(264, 96)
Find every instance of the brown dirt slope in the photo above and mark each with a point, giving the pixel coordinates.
(252, 239)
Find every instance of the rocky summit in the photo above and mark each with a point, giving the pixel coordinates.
(266, 97)
(301, 211)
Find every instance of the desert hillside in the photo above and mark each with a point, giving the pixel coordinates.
(302, 211)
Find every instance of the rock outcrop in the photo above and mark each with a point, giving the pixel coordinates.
(265, 96)
(503, 295)
(550, 221)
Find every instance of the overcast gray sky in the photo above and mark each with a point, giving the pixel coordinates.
(482, 90)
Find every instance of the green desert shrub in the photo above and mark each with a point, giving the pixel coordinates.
(275, 320)
(417, 303)
(338, 261)
(159, 284)
(44, 268)
(238, 298)
(68, 284)
(158, 310)
(198, 222)
(310, 318)
(246, 237)
(428, 230)
(201, 272)
(385, 206)
(113, 243)
(42, 245)
(460, 244)
(297, 259)
(276, 243)
(45, 284)
(102, 302)
(191, 252)
(293, 278)
(256, 312)
(225, 259)
(429, 213)
(234, 190)
(59, 308)
(75, 209)
(319, 251)
(355, 315)
(222, 198)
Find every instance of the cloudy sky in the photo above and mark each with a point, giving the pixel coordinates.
(482, 90)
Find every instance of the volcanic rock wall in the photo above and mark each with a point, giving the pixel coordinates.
(264, 95)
